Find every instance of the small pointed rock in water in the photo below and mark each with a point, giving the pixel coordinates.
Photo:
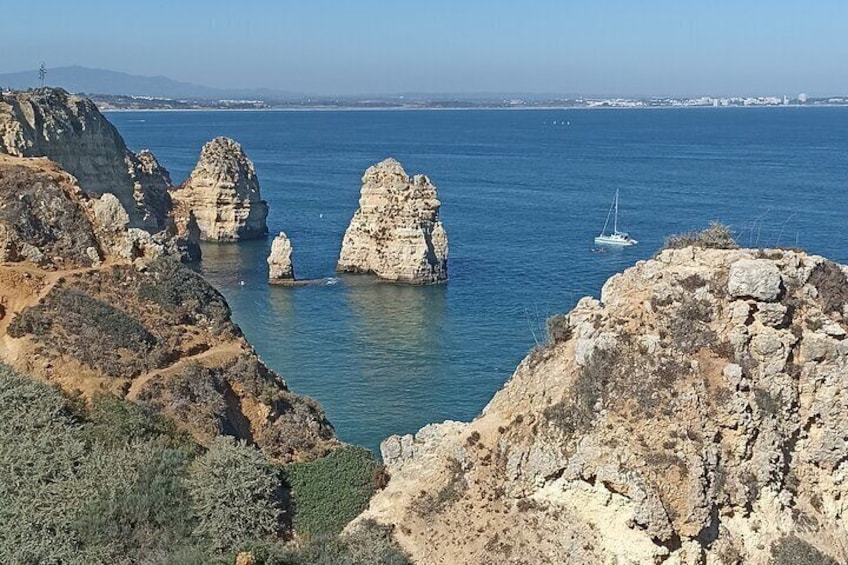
(279, 261)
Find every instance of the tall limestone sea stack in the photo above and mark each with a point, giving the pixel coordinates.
(696, 414)
(223, 194)
(396, 233)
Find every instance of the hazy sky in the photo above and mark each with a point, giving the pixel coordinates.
(369, 46)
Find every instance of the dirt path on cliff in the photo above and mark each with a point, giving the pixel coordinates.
(214, 356)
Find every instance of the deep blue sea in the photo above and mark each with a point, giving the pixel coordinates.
(523, 193)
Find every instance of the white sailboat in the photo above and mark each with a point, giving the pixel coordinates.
(619, 238)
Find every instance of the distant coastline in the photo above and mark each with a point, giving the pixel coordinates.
(447, 109)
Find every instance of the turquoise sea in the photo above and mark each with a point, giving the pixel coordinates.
(523, 194)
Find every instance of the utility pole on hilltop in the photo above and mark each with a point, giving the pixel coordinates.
(42, 73)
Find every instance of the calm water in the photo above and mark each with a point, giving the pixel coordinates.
(522, 199)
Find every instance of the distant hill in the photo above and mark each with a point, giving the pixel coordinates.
(99, 81)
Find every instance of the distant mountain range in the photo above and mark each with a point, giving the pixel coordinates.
(85, 80)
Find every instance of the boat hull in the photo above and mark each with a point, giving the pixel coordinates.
(615, 241)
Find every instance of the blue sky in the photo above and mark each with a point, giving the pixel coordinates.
(367, 46)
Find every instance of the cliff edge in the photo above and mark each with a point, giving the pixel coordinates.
(396, 233)
(695, 414)
(97, 307)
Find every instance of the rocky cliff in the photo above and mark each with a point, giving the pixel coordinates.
(72, 132)
(396, 233)
(223, 193)
(695, 414)
(98, 307)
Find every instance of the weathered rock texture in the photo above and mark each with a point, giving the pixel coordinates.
(223, 193)
(72, 132)
(696, 414)
(396, 233)
(96, 306)
(280, 260)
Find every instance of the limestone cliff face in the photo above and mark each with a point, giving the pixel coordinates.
(96, 306)
(695, 414)
(396, 233)
(280, 261)
(72, 132)
(223, 193)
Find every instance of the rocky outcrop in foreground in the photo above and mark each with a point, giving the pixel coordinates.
(280, 260)
(223, 194)
(98, 307)
(695, 414)
(396, 233)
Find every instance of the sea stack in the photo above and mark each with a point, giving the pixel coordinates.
(396, 233)
(280, 269)
(223, 193)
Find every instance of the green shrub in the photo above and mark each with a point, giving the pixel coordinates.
(368, 544)
(180, 290)
(717, 236)
(72, 495)
(831, 284)
(90, 330)
(328, 493)
(558, 329)
(792, 550)
(112, 422)
(236, 495)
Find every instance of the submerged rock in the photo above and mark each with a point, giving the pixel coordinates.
(396, 233)
(280, 260)
(696, 414)
(223, 194)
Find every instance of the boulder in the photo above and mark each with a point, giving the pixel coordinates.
(396, 233)
(223, 194)
(754, 278)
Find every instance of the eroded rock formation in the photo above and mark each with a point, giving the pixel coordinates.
(96, 306)
(695, 414)
(70, 131)
(396, 233)
(280, 260)
(223, 194)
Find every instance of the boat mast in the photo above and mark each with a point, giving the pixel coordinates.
(615, 222)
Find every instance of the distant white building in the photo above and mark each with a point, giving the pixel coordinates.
(802, 98)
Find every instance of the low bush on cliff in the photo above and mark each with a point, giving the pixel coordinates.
(792, 550)
(75, 489)
(113, 482)
(183, 292)
(93, 332)
(330, 492)
(831, 284)
(236, 494)
(717, 236)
